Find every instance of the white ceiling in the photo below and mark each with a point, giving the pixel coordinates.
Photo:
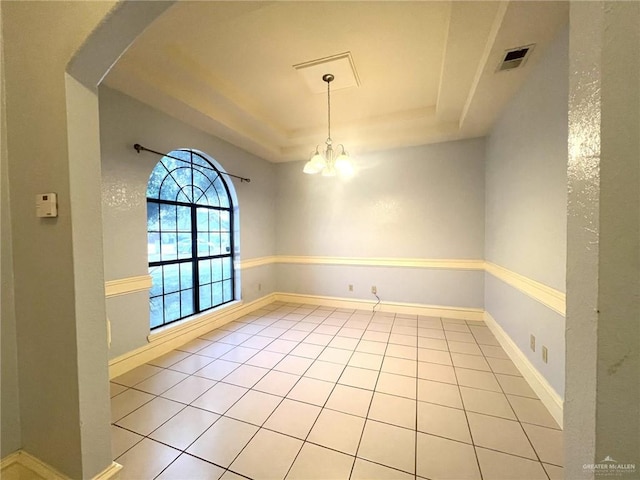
(426, 69)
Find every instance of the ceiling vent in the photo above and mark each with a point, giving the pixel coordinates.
(515, 57)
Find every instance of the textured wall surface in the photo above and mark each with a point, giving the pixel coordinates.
(526, 183)
(125, 173)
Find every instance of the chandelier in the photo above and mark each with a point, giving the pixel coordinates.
(327, 163)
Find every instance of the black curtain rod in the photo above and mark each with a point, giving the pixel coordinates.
(140, 148)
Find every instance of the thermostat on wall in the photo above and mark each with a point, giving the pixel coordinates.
(46, 205)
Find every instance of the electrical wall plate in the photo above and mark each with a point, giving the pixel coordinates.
(46, 205)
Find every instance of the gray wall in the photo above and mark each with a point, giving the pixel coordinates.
(124, 122)
(10, 436)
(421, 202)
(526, 202)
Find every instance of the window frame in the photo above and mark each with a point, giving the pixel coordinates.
(195, 258)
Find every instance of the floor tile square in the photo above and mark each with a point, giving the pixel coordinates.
(220, 397)
(258, 342)
(500, 466)
(366, 360)
(404, 329)
(294, 365)
(307, 350)
(459, 337)
(115, 389)
(394, 410)
(126, 402)
(239, 354)
(345, 343)
(168, 359)
(294, 335)
(254, 407)
(433, 343)
(489, 403)
(216, 350)
(327, 371)
(146, 460)
(122, 440)
(500, 365)
(399, 385)
(272, 332)
(310, 390)
(436, 372)
(389, 445)
(531, 410)
(464, 347)
(268, 455)
(338, 431)
(246, 376)
(350, 332)
(439, 393)
(304, 327)
(235, 338)
(376, 336)
(265, 359)
(215, 335)
(217, 370)
(436, 334)
(359, 377)
(281, 346)
(554, 472)
(192, 468)
(191, 364)
(365, 470)
(445, 459)
(434, 356)
(443, 421)
(368, 346)
(500, 434)
(450, 326)
(150, 416)
(250, 327)
(319, 463)
(335, 355)
(327, 329)
(137, 375)
(408, 340)
(222, 442)
(277, 383)
(401, 351)
(194, 345)
(318, 339)
(346, 399)
(184, 428)
(515, 385)
(493, 351)
(477, 379)
(399, 366)
(293, 418)
(547, 442)
(474, 362)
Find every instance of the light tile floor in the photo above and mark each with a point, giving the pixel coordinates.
(306, 392)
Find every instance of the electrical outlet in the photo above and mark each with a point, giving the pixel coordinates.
(374, 289)
(350, 288)
(545, 354)
(532, 342)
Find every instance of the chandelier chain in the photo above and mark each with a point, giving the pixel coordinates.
(329, 110)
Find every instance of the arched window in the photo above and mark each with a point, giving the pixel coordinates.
(190, 237)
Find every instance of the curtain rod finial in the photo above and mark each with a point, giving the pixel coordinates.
(138, 147)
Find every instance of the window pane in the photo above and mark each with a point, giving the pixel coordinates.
(186, 275)
(227, 264)
(225, 224)
(205, 297)
(222, 193)
(203, 244)
(171, 307)
(156, 311)
(186, 302)
(169, 246)
(204, 270)
(153, 217)
(167, 217)
(217, 293)
(171, 278)
(153, 247)
(184, 219)
(184, 245)
(182, 176)
(156, 281)
(225, 243)
(216, 269)
(214, 220)
(202, 221)
(227, 290)
(169, 188)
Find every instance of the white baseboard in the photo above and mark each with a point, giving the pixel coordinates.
(36, 469)
(538, 383)
(175, 336)
(397, 307)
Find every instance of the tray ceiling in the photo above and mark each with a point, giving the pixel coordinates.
(426, 71)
